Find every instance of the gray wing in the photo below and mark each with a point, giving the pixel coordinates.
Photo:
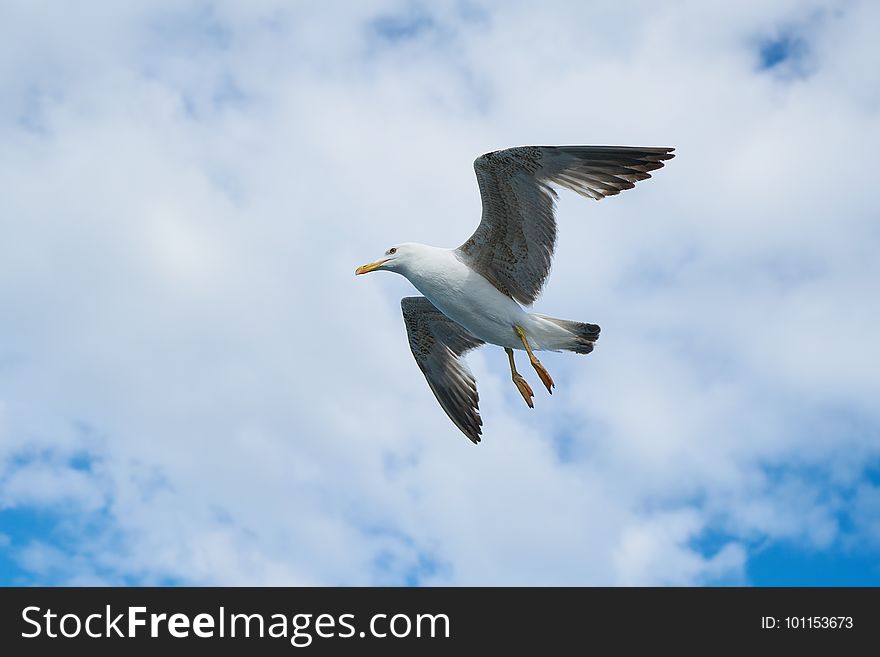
(513, 245)
(438, 343)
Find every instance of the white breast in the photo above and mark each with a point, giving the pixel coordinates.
(466, 297)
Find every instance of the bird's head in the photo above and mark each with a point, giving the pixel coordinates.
(395, 259)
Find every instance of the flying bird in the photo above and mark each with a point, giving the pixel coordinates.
(474, 294)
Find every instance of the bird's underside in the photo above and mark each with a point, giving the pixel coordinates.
(512, 249)
(439, 343)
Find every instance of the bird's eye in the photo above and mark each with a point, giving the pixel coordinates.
(392, 251)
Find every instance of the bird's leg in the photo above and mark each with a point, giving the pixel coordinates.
(524, 389)
(542, 372)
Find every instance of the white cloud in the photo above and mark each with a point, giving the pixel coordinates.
(188, 191)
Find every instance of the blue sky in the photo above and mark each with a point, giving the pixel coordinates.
(195, 389)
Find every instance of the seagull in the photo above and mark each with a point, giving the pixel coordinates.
(474, 294)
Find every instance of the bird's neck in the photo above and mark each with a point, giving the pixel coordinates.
(433, 270)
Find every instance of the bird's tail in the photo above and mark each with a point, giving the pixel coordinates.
(563, 334)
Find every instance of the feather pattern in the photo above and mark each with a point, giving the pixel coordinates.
(514, 243)
(437, 343)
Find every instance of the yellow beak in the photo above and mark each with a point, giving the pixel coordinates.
(373, 266)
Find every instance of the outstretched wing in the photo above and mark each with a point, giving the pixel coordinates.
(438, 343)
(513, 245)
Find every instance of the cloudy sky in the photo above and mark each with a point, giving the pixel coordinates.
(195, 388)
